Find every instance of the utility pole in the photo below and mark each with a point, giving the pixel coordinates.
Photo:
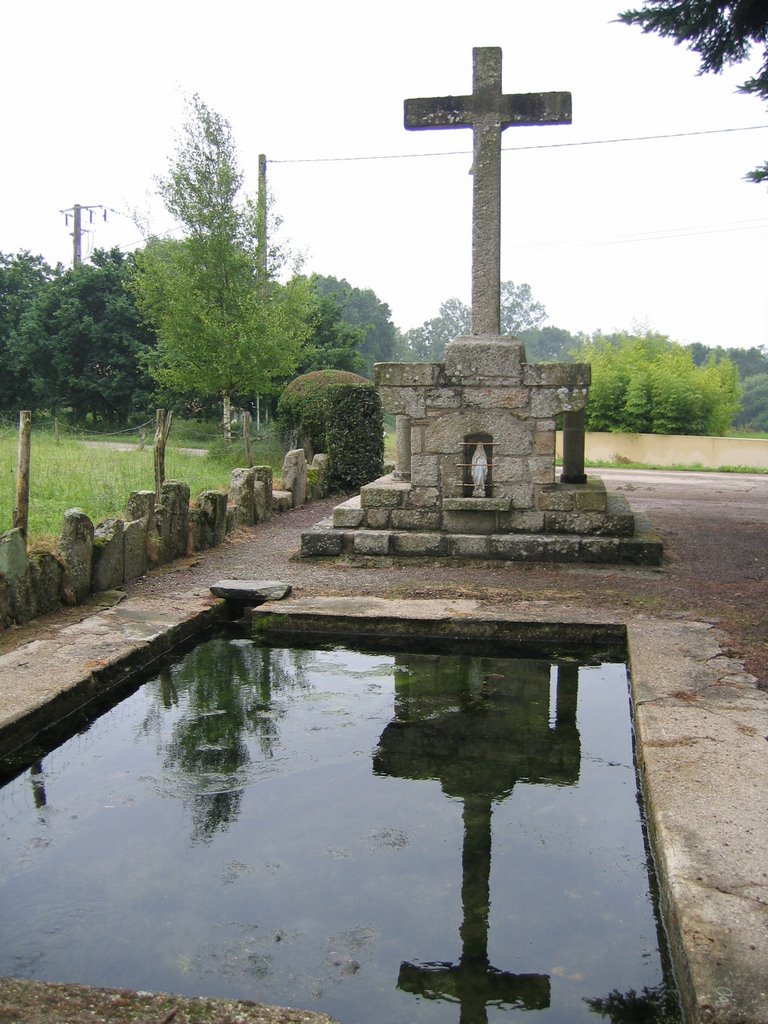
(76, 212)
(261, 248)
(261, 212)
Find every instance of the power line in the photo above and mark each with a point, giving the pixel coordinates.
(645, 236)
(509, 149)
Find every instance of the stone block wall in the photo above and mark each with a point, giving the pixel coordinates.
(92, 558)
(485, 388)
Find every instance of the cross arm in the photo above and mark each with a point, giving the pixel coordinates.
(465, 111)
(439, 112)
(532, 108)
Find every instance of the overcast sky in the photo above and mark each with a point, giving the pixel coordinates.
(663, 234)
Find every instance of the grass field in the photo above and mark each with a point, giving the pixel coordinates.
(98, 479)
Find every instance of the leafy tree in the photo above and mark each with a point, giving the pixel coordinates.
(518, 311)
(748, 360)
(649, 384)
(361, 308)
(22, 276)
(657, 1005)
(427, 343)
(221, 330)
(334, 344)
(549, 344)
(720, 31)
(80, 344)
(754, 403)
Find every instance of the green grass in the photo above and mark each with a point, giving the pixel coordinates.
(696, 467)
(750, 435)
(100, 479)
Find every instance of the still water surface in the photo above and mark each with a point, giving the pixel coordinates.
(387, 838)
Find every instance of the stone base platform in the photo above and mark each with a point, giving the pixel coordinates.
(393, 518)
(324, 540)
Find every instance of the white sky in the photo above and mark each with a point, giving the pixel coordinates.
(664, 234)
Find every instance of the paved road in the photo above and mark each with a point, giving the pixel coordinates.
(741, 496)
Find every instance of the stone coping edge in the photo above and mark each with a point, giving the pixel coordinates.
(99, 682)
(393, 630)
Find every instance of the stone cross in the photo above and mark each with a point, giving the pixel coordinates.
(487, 112)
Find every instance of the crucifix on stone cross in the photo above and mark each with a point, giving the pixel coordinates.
(487, 112)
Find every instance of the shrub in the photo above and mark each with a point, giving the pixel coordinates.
(354, 435)
(337, 412)
(302, 407)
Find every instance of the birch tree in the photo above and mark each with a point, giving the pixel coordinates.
(221, 331)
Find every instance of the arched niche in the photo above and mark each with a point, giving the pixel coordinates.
(470, 444)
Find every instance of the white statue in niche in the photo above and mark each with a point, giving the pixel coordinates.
(479, 471)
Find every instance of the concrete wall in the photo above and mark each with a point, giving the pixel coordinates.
(675, 450)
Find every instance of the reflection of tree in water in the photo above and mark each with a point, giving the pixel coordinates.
(479, 726)
(657, 1005)
(227, 690)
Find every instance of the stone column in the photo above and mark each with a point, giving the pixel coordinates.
(573, 448)
(403, 444)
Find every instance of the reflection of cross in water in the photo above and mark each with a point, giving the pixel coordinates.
(473, 982)
(428, 740)
(487, 112)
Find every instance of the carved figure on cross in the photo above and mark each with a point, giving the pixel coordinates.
(487, 112)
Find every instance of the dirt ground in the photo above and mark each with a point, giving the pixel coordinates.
(715, 532)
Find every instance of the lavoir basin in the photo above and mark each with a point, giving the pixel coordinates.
(386, 837)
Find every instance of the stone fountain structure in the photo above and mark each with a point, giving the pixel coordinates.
(475, 474)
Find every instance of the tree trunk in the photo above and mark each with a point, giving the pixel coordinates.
(226, 419)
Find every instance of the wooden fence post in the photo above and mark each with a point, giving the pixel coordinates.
(21, 512)
(247, 419)
(162, 430)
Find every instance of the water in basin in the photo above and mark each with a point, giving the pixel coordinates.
(385, 837)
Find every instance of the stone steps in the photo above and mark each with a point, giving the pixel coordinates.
(327, 540)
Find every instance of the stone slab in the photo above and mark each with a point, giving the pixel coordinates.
(349, 513)
(251, 592)
(108, 569)
(371, 542)
(323, 541)
(386, 492)
(644, 548)
(477, 504)
(407, 374)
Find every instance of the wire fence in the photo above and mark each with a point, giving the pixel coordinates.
(96, 471)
